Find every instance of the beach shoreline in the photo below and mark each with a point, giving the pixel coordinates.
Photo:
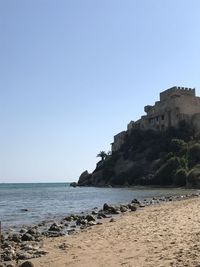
(95, 234)
(160, 235)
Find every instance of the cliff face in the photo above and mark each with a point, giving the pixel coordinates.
(170, 157)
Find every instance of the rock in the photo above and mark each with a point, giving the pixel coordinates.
(63, 246)
(74, 184)
(132, 207)
(24, 210)
(40, 253)
(92, 223)
(94, 212)
(71, 231)
(27, 247)
(32, 231)
(123, 209)
(42, 223)
(9, 265)
(112, 220)
(101, 215)
(84, 178)
(23, 256)
(97, 178)
(68, 218)
(81, 222)
(110, 209)
(53, 234)
(23, 230)
(16, 238)
(90, 218)
(82, 227)
(135, 201)
(55, 227)
(6, 244)
(9, 254)
(27, 237)
(7, 257)
(27, 264)
(105, 207)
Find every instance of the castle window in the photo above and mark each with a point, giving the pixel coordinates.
(162, 117)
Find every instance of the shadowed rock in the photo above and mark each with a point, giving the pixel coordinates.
(27, 264)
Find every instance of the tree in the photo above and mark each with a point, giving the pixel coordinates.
(194, 155)
(102, 155)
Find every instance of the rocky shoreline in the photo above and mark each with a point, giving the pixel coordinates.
(27, 243)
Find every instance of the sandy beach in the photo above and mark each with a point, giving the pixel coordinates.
(161, 235)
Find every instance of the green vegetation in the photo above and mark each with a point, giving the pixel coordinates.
(102, 155)
(170, 157)
(194, 154)
(193, 177)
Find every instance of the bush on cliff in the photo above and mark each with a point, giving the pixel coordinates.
(193, 178)
(178, 147)
(194, 155)
(134, 174)
(180, 177)
(166, 173)
(157, 157)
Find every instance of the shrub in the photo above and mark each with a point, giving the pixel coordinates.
(137, 171)
(180, 177)
(166, 173)
(193, 178)
(178, 147)
(194, 155)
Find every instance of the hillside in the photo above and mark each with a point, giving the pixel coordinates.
(149, 157)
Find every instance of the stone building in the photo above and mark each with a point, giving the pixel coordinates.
(176, 104)
(118, 141)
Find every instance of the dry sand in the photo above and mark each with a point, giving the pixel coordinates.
(162, 235)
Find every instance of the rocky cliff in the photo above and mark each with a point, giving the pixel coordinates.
(165, 158)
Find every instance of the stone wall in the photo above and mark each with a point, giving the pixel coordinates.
(180, 90)
(175, 104)
(118, 141)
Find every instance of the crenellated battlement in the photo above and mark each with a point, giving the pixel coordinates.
(176, 104)
(179, 90)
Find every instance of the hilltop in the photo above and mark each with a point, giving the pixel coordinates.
(149, 157)
(162, 148)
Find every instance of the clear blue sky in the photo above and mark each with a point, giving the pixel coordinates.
(74, 73)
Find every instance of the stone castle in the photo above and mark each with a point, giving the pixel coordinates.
(176, 104)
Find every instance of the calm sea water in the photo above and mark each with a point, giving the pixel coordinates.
(49, 200)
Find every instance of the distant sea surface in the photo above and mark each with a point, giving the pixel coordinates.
(45, 201)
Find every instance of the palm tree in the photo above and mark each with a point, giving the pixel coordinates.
(102, 155)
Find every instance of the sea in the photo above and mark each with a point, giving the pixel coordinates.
(31, 203)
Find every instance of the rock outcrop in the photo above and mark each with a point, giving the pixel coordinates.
(148, 157)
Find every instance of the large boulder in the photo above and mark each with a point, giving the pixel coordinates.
(110, 209)
(27, 237)
(97, 178)
(84, 179)
(27, 264)
(73, 184)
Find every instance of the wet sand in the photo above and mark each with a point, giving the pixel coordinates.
(161, 235)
